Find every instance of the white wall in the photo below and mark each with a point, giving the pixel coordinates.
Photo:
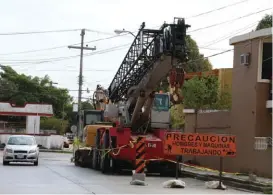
(49, 141)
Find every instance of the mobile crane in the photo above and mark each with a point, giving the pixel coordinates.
(131, 107)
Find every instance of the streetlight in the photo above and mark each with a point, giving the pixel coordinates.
(123, 31)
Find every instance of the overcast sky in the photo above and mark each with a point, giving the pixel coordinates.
(104, 16)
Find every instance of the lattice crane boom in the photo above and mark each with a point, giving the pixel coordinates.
(150, 58)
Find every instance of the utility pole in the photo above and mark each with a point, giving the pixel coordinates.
(80, 76)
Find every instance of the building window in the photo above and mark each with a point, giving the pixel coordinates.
(266, 61)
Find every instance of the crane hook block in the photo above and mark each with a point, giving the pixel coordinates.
(176, 77)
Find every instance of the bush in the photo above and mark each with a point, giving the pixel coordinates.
(54, 124)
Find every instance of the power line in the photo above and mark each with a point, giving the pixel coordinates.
(39, 32)
(228, 21)
(35, 61)
(217, 9)
(229, 35)
(213, 55)
(64, 70)
(51, 31)
(64, 46)
(111, 37)
(40, 61)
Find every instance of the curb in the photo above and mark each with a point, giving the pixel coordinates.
(237, 183)
(56, 151)
(48, 150)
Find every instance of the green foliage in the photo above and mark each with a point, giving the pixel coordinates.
(204, 93)
(177, 116)
(86, 105)
(197, 62)
(266, 22)
(200, 93)
(20, 89)
(54, 124)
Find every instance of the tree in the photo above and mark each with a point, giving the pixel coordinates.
(266, 22)
(54, 124)
(197, 62)
(200, 93)
(20, 89)
(204, 93)
(86, 105)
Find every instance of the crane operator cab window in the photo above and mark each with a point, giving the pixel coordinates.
(161, 102)
(91, 117)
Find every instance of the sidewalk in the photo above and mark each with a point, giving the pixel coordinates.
(230, 179)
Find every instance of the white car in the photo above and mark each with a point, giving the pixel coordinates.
(21, 148)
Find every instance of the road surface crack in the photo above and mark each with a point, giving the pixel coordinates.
(76, 183)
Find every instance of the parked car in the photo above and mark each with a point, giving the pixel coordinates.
(70, 139)
(66, 143)
(21, 148)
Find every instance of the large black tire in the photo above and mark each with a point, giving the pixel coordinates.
(95, 164)
(96, 159)
(36, 163)
(5, 162)
(170, 171)
(77, 158)
(105, 157)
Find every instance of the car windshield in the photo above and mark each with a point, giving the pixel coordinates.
(21, 140)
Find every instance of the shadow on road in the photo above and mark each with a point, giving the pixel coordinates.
(20, 164)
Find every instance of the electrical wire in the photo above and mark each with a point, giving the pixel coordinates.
(219, 39)
(46, 60)
(65, 70)
(36, 61)
(65, 46)
(48, 93)
(217, 9)
(52, 31)
(39, 32)
(57, 47)
(62, 58)
(229, 21)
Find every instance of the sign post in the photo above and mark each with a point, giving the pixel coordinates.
(220, 187)
(177, 166)
(195, 144)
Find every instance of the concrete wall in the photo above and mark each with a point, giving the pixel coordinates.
(249, 115)
(259, 162)
(47, 141)
(214, 122)
(247, 119)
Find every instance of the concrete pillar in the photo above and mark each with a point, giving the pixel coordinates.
(33, 125)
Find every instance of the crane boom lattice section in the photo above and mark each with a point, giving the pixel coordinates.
(145, 50)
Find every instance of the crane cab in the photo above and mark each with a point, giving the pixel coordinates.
(160, 112)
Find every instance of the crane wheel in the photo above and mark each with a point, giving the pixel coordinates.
(95, 164)
(169, 171)
(77, 158)
(105, 158)
(95, 153)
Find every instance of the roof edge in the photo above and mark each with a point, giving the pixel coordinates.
(251, 35)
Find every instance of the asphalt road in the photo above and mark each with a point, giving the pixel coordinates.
(56, 174)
